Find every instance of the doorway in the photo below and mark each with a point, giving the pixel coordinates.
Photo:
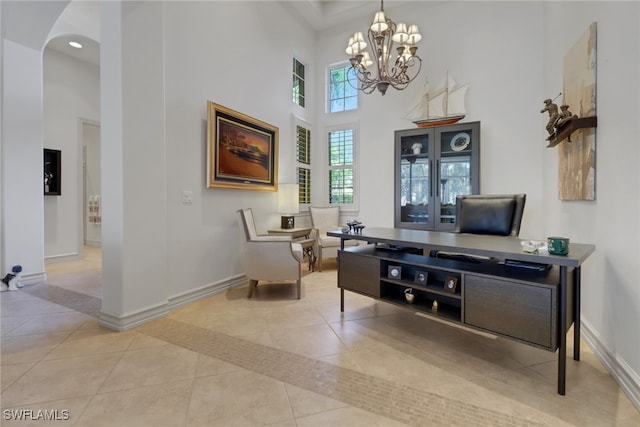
(91, 188)
(84, 274)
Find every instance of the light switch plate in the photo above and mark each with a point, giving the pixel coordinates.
(187, 197)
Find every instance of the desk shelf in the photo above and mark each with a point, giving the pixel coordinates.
(429, 288)
(423, 304)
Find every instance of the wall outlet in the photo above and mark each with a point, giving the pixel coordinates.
(187, 197)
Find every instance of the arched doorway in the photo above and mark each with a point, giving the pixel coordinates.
(30, 30)
(71, 114)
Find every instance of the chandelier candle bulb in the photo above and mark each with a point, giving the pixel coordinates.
(366, 59)
(349, 49)
(379, 24)
(414, 34)
(358, 43)
(402, 34)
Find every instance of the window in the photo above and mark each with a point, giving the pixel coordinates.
(303, 159)
(298, 82)
(343, 95)
(341, 166)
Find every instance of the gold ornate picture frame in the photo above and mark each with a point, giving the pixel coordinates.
(242, 152)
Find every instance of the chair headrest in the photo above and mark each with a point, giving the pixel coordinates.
(490, 214)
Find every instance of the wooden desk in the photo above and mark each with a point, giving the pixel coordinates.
(534, 307)
(301, 236)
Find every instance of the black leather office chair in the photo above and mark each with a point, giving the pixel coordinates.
(490, 214)
(495, 214)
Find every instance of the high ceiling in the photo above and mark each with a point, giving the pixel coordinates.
(323, 14)
(318, 14)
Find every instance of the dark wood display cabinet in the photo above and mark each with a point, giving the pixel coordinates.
(530, 298)
(52, 172)
(432, 166)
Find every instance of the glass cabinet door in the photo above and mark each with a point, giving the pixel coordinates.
(457, 171)
(414, 187)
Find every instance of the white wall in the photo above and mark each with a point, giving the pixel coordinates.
(158, 252)
(22, 160)
(71, 91)
(505, 74)
(243, 62)
(611, 295)
(133, 164)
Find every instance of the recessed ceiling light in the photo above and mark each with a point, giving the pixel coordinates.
(75, 44)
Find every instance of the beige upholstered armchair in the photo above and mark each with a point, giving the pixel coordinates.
(269, 258)
(323, 220)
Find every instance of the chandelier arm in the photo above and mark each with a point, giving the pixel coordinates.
(389, 46)
(406, 79)
(367, 84)
(373, 44)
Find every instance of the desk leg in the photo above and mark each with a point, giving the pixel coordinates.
(341, 290)
(562, 335)
(576, 313)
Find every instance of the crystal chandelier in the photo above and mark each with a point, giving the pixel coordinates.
(382, 34)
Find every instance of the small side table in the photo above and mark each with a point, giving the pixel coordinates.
(301, 236)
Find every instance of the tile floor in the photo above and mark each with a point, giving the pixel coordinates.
(278, 361)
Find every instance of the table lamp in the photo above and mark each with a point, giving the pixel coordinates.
(287, 204)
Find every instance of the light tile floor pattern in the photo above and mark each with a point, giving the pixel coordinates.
(275, 360)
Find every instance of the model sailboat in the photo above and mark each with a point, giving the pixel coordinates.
(445, 106)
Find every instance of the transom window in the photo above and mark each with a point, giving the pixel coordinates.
(298, 82)
(343, 95)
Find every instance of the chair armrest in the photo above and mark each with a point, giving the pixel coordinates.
(272, 260)
(322, 231)
(315, 234)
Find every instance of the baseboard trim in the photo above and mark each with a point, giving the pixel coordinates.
(128, 321)
(627, 379)
(193, 295)
(131, 320)
(33, 278)
(52, 259)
